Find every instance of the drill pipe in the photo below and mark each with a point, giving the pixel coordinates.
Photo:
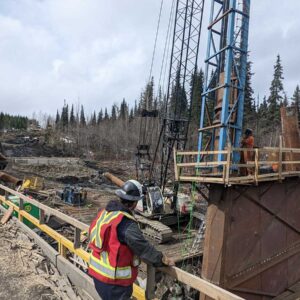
(10, 179)
(117, 181)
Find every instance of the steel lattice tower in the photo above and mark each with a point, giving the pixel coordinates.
(222, 104)
(183, 63)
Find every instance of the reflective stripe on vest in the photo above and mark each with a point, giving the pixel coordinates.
(102, 266)
(105, 218)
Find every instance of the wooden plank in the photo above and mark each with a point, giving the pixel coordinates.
(242, 178)
(291, 173)
(197, 164)
(199, 284)
(47, 209)
(287, 162)
(201, 179)
(7, 215)
(201, 152)
(271, 149)
(268, 175)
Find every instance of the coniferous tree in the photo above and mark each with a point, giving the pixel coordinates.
(114, 112)
(159, 100)
(72, 116)
(100, 117)
(82, 117)
(106, 116)
(196, 93)
(147, 97)
(211, 99)
(57, 119)
(249, 101)
(285, 100)
(123, 110)
(276, 97)
(13, 122)
(296, 100)
(65, 115)
(93, 121)
(131, 115)
(263, 111)
(178, 100)
(135, 110)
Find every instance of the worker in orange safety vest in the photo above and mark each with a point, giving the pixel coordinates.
(117, 245)
(248, 143)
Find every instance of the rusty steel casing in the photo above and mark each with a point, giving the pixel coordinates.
(10, 179)
(252, 238)
(117, 181)
(290, 136)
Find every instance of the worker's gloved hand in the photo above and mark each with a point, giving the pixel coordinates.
(168, 261)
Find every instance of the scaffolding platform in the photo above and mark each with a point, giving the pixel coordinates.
(265, 164)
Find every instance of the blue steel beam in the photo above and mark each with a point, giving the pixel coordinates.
(228, 30)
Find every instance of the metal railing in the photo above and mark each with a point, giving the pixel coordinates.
(263, 164)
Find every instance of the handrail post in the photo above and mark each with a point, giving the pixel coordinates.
(150, 288)
(42, 216)
(21, 207)
(256, 167)
(77, 238)
(228, 164)
(280, 159)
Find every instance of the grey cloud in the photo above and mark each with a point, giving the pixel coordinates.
(100, 50)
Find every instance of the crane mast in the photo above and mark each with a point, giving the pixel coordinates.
(222, 105)
(183, 64)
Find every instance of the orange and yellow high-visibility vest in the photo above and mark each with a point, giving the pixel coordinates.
(110, 261)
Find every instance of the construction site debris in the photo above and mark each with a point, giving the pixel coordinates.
(26, 273)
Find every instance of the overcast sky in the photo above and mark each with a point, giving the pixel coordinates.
(98, 51)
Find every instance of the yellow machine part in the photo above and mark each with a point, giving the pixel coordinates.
(33, 183)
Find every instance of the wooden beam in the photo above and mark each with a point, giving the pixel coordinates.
(201, 179)
(199, 164)
(199, 284)
(201, 152)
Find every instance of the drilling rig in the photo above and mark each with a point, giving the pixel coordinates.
(154, 160)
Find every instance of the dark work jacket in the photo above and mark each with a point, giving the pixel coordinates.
(130, 234)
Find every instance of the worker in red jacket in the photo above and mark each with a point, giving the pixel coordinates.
(248, 143)
(117, 245)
